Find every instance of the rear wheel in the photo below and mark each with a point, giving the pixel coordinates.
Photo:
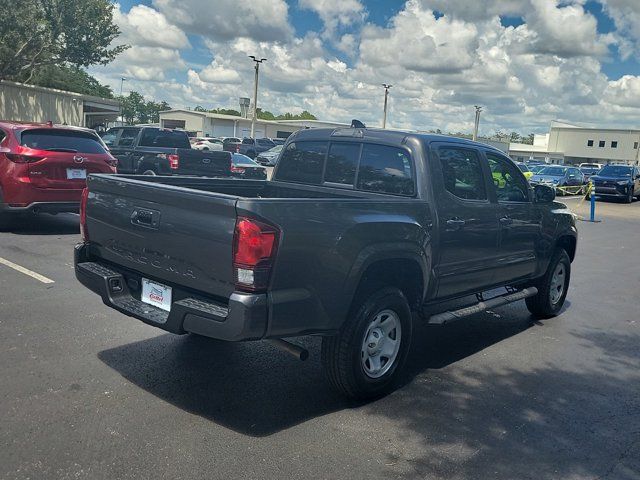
(365, 358)
(552, 287)
(149, 171)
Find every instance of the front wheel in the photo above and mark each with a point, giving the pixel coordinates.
(630, 196)
(365, 358)
(552, 287)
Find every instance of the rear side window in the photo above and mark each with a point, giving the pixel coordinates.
(61, 141)
(302, 162)
(155, 137)
(462, 173)
(342, 163)
(385, 169)
(247, 141)
(109, 137)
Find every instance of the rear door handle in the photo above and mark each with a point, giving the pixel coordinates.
(506, 221)
(455, 223)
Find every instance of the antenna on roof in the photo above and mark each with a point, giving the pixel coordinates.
(357, 124)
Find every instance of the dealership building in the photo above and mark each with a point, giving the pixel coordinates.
(573, 144)
(206, 124)
(21, 102)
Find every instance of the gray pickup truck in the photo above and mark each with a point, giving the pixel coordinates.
(359, 233)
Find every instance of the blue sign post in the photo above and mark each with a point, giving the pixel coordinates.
(592, 196)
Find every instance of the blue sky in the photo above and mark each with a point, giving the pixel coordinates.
(527, 61)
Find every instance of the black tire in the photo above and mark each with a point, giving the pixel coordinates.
(629, 198)
(342, 353)
(149, 171)
(542, 305)
(6, 221)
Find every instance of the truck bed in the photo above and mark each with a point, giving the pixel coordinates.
(179, 231)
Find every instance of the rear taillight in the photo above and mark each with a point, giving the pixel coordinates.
(237, 148)
(235, 169)
(83, 215)
(174, 161)
(254, 249)
(112, 162)
(18, 158)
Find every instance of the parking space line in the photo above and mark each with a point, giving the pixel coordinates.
(26, 271)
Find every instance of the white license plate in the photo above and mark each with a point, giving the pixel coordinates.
(76, 173)
(156, 294)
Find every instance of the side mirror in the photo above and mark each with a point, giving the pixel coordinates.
(543, 194)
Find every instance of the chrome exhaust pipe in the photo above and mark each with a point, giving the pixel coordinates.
(297, 351)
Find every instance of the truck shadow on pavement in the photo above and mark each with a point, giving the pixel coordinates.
(478, 420)
(45, 224)
(255, 389)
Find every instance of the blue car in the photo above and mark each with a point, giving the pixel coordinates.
(617, 181)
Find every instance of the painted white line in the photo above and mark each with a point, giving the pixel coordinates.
(26, 271)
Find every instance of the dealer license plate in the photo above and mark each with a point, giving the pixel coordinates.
(156, 294)
(76, 173)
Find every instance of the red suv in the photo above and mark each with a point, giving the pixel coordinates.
(43, 168)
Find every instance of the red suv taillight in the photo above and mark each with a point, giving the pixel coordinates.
(112, 162)
(254, 249)
(235, 169)
(83, 215)
(237, 148)
(17, 158)
(174, 161)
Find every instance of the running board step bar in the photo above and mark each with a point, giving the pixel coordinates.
(447, 317)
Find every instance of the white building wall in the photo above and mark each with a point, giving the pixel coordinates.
(193, 122)
(573, 142)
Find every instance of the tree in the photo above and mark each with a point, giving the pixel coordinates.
(515, 137)
(135, 109)
(73, 79)
(40, 33)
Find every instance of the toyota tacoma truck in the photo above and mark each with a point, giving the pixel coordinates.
(359, 233)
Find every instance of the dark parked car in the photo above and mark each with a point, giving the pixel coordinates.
(243, 167)
(252, 147)
(357, 229)
(279, 141)
(161, 151)
(588, 172)
(231, 144)
(43, 168)
(270, 157)
(559, 176)
(617, 181)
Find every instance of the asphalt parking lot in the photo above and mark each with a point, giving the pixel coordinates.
(89, 393)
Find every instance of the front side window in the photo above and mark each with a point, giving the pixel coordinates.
(342, 163)
(385, 169)
(128, 137)
(462, 173)
(302, 162)
(510, 185)
(156, 137)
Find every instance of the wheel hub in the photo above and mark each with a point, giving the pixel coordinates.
(381, 344)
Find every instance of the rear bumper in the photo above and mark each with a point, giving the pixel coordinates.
(243, 318)
(42, 207)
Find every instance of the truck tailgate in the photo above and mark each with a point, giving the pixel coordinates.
(171, 234)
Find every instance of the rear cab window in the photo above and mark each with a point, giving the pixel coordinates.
(362, 166)
(462, 173)
(156, 137)
(62, 140)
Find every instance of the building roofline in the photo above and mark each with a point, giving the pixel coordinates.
(222, 116)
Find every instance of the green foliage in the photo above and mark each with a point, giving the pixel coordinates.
(135, 109)
(72, 79)
(40, 33)
(262, 114)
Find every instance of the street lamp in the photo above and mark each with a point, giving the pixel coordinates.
(255, 94)
(386, 94)
(477, 122)
(122, 80)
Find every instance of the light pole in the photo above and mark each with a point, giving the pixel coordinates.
(122, 79)
(386, 95)
(477, 122)
(255, 94)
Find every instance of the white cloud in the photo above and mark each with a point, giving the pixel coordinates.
(626, 15)
(336, 13)
(265, 20)
(144, 26)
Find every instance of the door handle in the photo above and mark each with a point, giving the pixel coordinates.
(506, 221)
(455, 223)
